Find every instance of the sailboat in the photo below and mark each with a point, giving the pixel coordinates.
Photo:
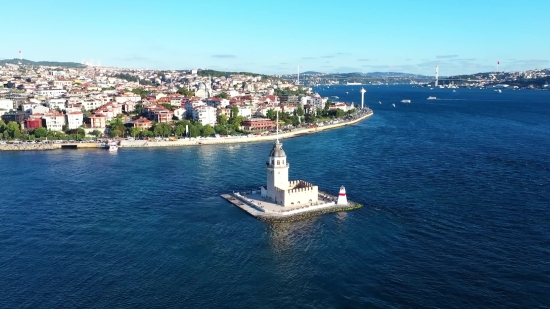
(393, 104)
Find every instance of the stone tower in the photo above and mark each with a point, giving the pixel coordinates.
(277, 170)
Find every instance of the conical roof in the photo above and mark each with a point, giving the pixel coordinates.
(277, 150)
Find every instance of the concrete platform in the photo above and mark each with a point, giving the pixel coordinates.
(254, 204)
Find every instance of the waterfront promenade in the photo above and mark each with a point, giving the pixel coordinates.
(192, 141)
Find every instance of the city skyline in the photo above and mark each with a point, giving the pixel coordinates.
(394, 36)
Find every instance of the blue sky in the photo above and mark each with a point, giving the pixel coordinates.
(275, 37)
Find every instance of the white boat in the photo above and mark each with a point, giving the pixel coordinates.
(405, 101)
(393, 104)
(379, 102)
(111, 146)
(454, 90)
(432, 98)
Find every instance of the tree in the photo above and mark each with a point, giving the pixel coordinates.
(294, 120)
(138, 109)
(271, 114)
(95, 133)
(222, 120)
(300, 111)
(179, 130)
(234, 112)
(13, 130)
(222, 95)
(66, 128)
(207, 130)
(40, 132)
(134, 131)
(236, 122)
(117, 124)
(168, 106)
(194, 131)
(185, 92)
(80, 133)
(116, 133)
(222, 130)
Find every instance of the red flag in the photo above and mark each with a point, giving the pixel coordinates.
(498, 62)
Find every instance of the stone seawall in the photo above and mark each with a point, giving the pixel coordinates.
(48, 146)
(307, 215)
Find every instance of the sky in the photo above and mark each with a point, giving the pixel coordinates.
(275, 37)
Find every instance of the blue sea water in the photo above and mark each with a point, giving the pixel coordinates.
(456, 196)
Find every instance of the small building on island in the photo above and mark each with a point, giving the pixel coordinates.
(281, 191)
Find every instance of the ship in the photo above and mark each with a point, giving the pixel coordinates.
(432, 98)
(348, 83)
(405, 101)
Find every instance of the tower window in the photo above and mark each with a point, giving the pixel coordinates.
(277, 162)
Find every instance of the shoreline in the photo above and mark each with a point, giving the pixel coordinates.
(188, 142)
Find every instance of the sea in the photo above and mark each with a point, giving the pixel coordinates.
(456, 214)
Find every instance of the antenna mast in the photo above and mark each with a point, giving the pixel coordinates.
(277, 127)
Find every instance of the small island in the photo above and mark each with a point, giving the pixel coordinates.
(281, 200)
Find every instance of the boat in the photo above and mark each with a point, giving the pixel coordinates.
(393, 104)
(348, 83)
(432, 98)
(454, 90)
(405, 101)
(335, 97)
(379, 102)
(111, 146)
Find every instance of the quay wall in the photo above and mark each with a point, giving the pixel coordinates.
(49, 146)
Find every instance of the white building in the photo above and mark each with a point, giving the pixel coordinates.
(57, 103)
(180, 113)
(75, 119)
(6, 104)
(54, 121)
(205, 115)
(245, 111)
(50, 93)
(281, 191)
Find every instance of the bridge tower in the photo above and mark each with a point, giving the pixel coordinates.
(436, 75)
(362, 97)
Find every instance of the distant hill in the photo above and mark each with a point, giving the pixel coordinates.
(400, 74)
(310, 73)
(43, 63)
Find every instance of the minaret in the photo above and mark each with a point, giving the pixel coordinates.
(362, 97)
(342, 198)
(277, 168)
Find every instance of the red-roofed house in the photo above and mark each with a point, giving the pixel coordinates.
(142, 123)
(98, 120)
